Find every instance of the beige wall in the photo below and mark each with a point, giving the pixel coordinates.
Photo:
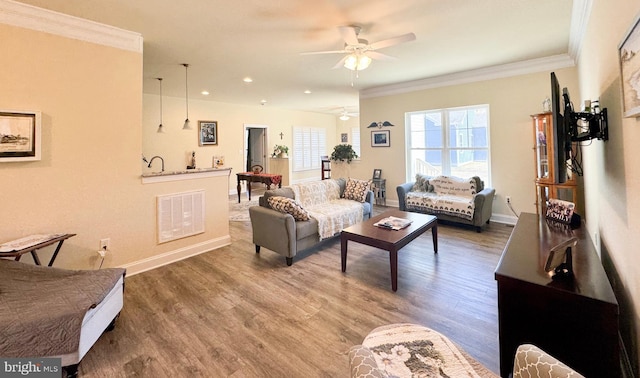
(511, 100)
(88, 181)
(175, 144)
(612, 168)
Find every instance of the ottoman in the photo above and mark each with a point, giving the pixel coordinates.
(408, 350)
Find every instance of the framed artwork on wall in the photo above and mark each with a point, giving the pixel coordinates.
(20, 135)
(208, 133)
(380, 138)
(344, 138)
(630, 70)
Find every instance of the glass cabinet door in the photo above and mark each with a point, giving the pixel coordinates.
(541, 128)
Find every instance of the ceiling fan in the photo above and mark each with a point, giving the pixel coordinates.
(359, 52)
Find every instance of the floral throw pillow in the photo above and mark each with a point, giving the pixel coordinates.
(357, 190)
(288, 206)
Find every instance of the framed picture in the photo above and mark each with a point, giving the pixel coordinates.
(630, 70)
(208, 132)
(377, 173)
(344, 138)
(20, 135)
(380, 138)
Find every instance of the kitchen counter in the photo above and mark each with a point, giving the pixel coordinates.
(187, 174)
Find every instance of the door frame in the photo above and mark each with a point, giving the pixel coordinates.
(246, 128)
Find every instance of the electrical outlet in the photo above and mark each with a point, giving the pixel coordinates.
(508, 199)
(104, 244)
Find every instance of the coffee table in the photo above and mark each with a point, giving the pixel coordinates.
(389, 240)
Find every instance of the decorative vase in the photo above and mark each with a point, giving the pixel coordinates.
(283, 155)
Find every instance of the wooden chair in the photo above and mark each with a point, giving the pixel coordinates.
(257, 168)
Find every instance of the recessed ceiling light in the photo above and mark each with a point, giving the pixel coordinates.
(206, 93)
(263, 101)
(307, 92)
(247, 80)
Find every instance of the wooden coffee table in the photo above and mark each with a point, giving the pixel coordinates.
(389, 240)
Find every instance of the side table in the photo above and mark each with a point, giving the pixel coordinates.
(31, 244)
(379, 188)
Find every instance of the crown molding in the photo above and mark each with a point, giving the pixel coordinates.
(39, 19)
(488, 73)
(580, 13)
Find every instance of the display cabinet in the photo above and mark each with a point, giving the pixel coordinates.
(544, 147)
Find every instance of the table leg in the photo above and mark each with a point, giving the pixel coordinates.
(343, 252)
(35, 257)
(434, 234)
(238, 189)
(393, 258)
(55, 254)
(249, 188)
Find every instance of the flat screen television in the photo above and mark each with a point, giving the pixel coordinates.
(562, 145)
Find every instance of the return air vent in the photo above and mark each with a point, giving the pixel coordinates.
(180, 215)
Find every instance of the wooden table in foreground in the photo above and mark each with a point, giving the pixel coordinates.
(389, 240)
(576, 320)
(265, 178)
(33, 248)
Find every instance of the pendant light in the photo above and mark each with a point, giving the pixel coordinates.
(160, 130)
(187, 124)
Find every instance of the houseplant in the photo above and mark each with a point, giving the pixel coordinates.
(343, 152)
(280, 151)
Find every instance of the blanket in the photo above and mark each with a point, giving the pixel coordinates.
(322, 200)
(42, 308)
(450, 195)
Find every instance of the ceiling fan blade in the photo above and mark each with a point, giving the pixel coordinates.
(324, 52)
(379, 56)
(340, 63)
(349, 35)
(393, 41)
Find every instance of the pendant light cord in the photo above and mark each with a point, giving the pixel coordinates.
(186, 86)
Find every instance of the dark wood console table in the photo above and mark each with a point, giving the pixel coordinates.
(265, 178)
(575, 321)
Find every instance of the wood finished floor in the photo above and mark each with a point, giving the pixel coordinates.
(234, 313)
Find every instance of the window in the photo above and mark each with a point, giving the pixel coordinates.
(309, 143)
(355, 140)
(452, 141)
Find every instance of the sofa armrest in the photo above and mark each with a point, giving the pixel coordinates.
(531, 361)
(273, 230)
(402, 191)
(363, 364)
(369, 200)
(484, 206)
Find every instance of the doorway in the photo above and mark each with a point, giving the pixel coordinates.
(255, 146)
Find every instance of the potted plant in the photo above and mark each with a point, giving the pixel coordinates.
(280, 151)
(343, 152)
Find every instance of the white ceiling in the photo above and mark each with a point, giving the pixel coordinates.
(224, 41)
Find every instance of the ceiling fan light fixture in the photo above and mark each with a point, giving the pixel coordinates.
(344, 117)
(357, 62)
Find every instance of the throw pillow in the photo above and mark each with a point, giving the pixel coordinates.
(356, 190)
(421, 184)
(289, 206)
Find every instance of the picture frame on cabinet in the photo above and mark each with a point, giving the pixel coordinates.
(20, 135)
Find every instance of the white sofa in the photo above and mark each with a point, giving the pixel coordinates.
(329, 212)
(454, 199)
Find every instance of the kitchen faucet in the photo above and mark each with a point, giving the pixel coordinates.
(153, 158)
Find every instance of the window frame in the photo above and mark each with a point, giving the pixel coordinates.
(445, 147)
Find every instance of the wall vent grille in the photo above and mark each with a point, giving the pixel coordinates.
(180, 215)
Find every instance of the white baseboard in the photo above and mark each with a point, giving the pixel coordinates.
(176, 255)
(502, 218)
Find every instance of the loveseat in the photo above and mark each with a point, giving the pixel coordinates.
(294, 218)
(453, 199)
